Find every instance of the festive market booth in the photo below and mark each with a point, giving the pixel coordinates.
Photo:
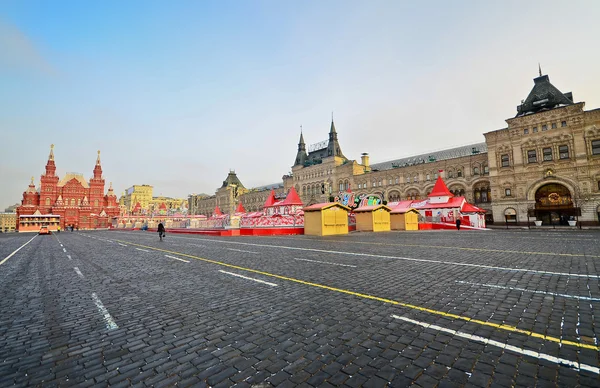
(375, 218)
(404, 218)
(324, 219)
(442, 209)
(475, 215)
(279, 217)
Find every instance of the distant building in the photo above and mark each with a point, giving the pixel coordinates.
(8, 222)
(136, 199)
(79, 203)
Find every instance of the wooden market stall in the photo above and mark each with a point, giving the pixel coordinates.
(404, 219)
(325, 219)
(374, 218)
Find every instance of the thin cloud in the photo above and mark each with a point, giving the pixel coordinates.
(20, 53)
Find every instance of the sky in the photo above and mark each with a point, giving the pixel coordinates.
(175, 94)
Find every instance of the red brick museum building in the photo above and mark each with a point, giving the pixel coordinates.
(77, 202)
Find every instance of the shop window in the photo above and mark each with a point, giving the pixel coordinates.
(526, 131)
(507, 192)
(510, 214)
(553, 125)
(563, 152)
(563, 123)
(596, 147)
(547, 154)
(531, 156)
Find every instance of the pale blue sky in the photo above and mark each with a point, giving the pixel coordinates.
(176, 93)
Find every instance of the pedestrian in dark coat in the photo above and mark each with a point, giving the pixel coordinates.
(458, 224)
(161, 231)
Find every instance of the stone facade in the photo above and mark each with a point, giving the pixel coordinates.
(79, 203)
(545, 164)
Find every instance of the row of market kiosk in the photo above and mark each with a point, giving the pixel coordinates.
(324, 219)
(441, 210)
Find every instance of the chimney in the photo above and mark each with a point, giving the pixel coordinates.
(365, 159)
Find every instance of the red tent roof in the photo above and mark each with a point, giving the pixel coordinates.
(163, 206)
(440, 189)
(137, 206)
(452, 202)
(292, 198)
(240, 208)
(468, 208)
(271, 200)
(217, 211)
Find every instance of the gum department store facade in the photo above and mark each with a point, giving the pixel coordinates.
(545, 164)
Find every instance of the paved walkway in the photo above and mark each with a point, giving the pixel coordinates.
(443, 308)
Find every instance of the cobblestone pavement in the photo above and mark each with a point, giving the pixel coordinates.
(443, 308)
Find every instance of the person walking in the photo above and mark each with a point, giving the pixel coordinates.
(161, 231)
(458, 224)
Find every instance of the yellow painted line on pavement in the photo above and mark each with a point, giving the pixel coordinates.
(384, 300)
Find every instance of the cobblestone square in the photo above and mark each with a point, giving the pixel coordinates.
(439, 308)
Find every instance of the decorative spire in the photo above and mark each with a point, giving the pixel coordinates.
(301, 156)
(51, 156)
(98, 160)
(333, 147)
(32, 178)
(540, 69)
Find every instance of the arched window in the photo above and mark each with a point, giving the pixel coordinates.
(459, 173)
(476, 171)
(303, 190)
(428, 177)
(346, 185)
(341, 186)
(47, 201)
(416, 178)
(407, 179)
(73, 202)
(95, 203)
(450, 174)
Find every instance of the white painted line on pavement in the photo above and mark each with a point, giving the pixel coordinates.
(240, 250)
(110, 322)
(69, 256)
(17, 250)
(399, 258)
(534, 291)
(78, 272)
(511, 348)
(123, 245)
(61, 245)
(247, 278)
(64, 250)
(143, 250)
(326, 262)
(177, 258)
